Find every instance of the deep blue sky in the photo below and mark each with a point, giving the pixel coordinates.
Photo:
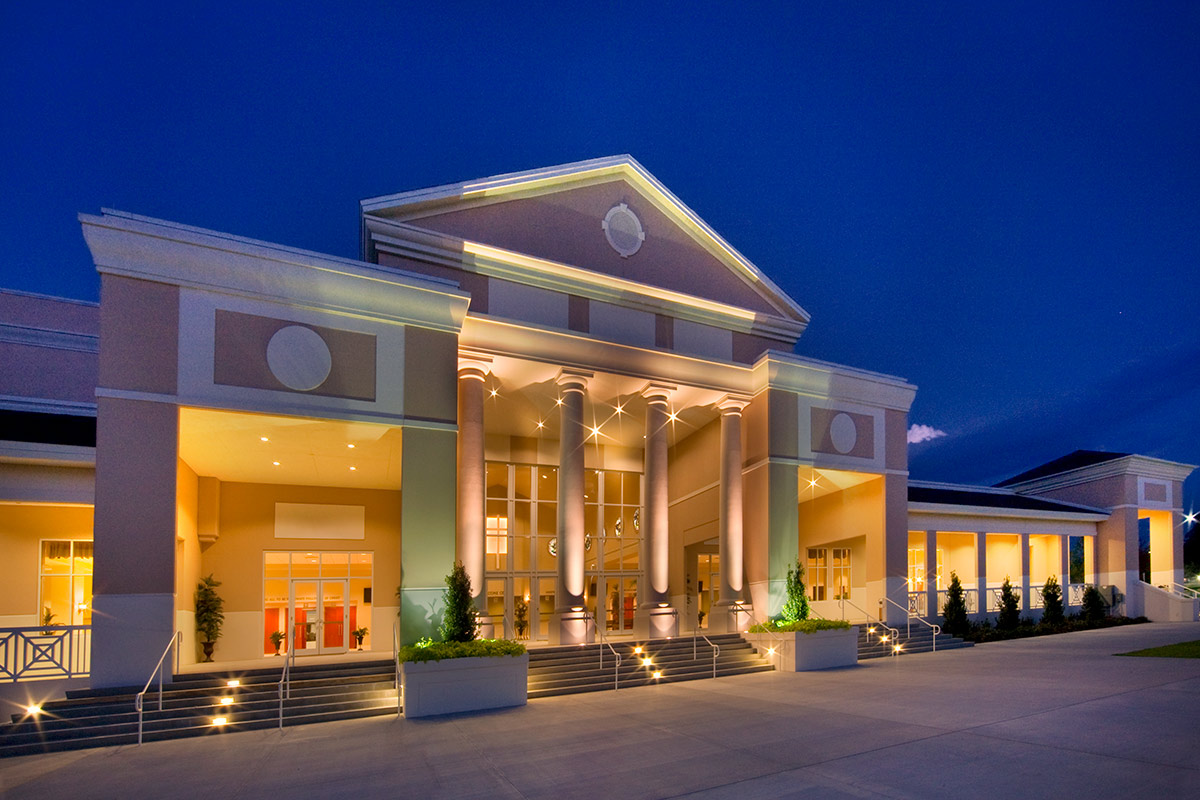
(998, 202)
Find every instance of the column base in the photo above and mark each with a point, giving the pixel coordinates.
(655, 622)
(728, 617)
(571, 627)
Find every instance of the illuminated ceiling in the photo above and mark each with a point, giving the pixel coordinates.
(816, 483)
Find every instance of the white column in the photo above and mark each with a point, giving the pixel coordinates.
(931, 588)
(655, 618)
(471, 541)
(1026, 595)
(981, 600)
(724, 616)
(570, 624)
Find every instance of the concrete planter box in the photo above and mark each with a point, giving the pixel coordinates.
(808, 651)
(464, 684)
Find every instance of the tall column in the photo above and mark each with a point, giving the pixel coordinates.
(471, 541)
(1026, 595)
(724, 616)
(1064, 565)
(570, 624)
(981, 587)
(655, 618)
(931, 585)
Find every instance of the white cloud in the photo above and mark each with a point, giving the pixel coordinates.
(923, 433)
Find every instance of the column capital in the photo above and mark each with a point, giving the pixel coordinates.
(658, 392)
(732, 404)
(573, 380)
(473, 366)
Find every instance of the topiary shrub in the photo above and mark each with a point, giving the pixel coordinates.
(1010, 607)
(1094, 608)
(795, 607)
(460, 621)
(1052, 604)
(954, 612)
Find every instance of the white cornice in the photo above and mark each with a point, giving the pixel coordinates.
(59, 455)
(55, 298)
(439, 199)
(43, 405)
(1141, 466)
(417, 244)
(48, 338)
(167, 252)
(821, 379)
(1004, 513)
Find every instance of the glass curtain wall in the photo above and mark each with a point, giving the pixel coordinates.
(522, 546)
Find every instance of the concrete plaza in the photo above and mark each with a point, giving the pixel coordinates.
(1050, 717)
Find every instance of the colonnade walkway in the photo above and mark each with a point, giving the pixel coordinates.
(1047, 717)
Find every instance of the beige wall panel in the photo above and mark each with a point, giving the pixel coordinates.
(755, 429)
(895, 436)
(429, 512)
(783, 424)
(48, 373)
(430, 375)
(857, 511)
(136, 463)
(1103, 493)
(139, 335)
(22, 527)
(693, 462)
(35, 483)
(247, 530)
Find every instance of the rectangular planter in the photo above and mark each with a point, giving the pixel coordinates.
(464, 684)
(808, 651)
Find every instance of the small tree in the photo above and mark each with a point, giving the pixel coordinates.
(795, 607)
(521, 617)
(210, 613)
(1094, 608)
(954, 612)
(1052, 604)
(460, 619)
(1010, 607)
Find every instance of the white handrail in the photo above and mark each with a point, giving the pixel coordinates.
(139, 701)
(935, 628)
(716, 651)
(605, 643)
(1186, 591)
(285, 678)
(779, 640)
(894, 631)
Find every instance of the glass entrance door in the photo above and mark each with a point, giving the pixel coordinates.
(318, 612)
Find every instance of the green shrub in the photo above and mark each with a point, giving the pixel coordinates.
(801, 626)
(460, 621)
(1094, 607)
(795, 607)
(426, 650)
(1052, 604)
(1010, 607)
(954, 612)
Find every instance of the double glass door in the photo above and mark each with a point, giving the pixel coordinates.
(318, 611)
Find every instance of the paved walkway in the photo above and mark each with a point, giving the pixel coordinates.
(1053, 717)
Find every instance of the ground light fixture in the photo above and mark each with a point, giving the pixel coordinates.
(219, 721)
(646, 661)
(638, 649)
(233, 682)
(226, 701)
(657, 675)
(33, 710)
(770, 651)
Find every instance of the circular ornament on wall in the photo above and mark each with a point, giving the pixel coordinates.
(299, 358)
(843, 434)
(623, 230)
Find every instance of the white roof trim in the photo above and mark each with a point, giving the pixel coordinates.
(1144, 466)
(621, 165)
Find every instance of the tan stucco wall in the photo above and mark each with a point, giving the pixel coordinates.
(694, 496)
(22, 527)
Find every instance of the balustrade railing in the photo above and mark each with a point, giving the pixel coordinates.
(1075, 593)
(970, 600)
(45, 652)
(918, 603)
(1036, 599)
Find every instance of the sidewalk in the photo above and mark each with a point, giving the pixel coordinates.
(1055, 717)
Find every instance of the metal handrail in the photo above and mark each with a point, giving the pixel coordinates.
(139, 701)
(716, 651)
(780, 641)
(605, 643)
(932, 626)
(396, 657)
(894, 631)
(285, 678)
(1186, 591)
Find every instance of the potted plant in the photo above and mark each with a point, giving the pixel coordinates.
(47, 620)
(358, 634)
(210, 614)
(462, 673)
(277, 638)
(521, 617)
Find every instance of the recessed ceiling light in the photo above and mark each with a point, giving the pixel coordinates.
(350, 446)
(353, 469)
(263, 439)
(276, 463)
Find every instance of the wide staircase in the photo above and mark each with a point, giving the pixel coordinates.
(194, 705)
(574, 669)
(920, 640)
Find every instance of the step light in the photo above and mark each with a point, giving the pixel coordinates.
(646, 662)
(234, 682)
(657, 674)
(226, 701)
(33, 710)
(219, 721)
(638, 649)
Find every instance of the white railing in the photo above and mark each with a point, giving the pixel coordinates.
(1036, 599)
(780, 642)
(935, 628)
(895, 632)
(604, 643)
(716, 651)
(139, 701)
(45, 652)
(1181, 590)
(1075, 593)
(918, 603)
(970, 600)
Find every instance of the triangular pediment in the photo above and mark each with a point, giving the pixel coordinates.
(558, 215)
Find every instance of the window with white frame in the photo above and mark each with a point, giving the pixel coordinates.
(65, 582)
(839, 573)
(818, 561)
